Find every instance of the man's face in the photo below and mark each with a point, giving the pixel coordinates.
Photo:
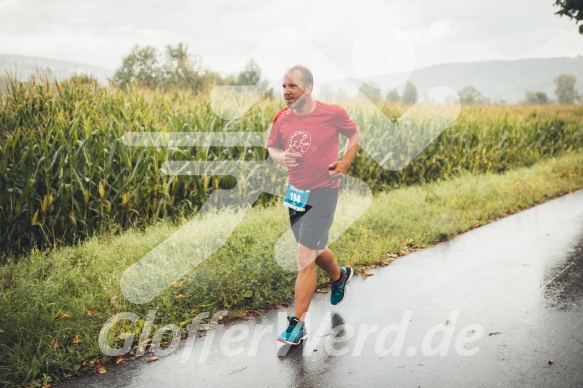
(294, 89)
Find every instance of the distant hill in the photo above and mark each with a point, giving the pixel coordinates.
(499, 80)
(25, 66)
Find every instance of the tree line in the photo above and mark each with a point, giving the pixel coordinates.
(565, 93)
(146, 67)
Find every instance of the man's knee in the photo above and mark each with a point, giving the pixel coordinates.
(306, 257)
(324, 253)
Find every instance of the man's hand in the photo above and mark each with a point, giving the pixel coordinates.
(338, 169)
(287, 157)
(290, 158)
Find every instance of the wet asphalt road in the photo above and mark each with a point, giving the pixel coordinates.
(490, 308)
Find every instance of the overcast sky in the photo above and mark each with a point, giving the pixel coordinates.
(102, 32)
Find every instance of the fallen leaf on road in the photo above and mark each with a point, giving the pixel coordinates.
(102, 370)
(237, 371)
(366, 274)
(152, 359)
(495, 333)
(321, 291)
(551, 361)
(119, 360)
(96, 367)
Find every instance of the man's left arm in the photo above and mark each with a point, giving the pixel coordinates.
(340, 167)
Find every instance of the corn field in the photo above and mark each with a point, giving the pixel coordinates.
(66, 174)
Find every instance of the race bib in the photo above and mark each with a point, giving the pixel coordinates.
(296, 198)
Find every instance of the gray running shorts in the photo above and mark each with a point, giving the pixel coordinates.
(311, 227)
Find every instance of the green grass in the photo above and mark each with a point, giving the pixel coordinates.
(243, 274)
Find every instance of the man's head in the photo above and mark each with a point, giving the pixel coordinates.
(297, 86)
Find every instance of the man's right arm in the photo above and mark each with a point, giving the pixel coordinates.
(287, 157)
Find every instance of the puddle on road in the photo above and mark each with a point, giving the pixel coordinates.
(564, 283)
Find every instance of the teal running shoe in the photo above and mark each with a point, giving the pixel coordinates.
(339, 289)
(295, 332)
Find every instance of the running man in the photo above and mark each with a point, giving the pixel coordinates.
(304, 137)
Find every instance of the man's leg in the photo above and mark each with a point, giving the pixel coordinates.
(338, 277)
(314, 226)
(306, 284)
(325, 260)
(306, 280)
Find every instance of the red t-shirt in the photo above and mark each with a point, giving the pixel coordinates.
(315, 137)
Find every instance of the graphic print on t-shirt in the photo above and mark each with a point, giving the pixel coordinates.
(299, 142)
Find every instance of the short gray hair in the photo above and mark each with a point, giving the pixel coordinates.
(306, 73)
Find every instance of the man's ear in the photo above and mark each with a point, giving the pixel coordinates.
(308, 89)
